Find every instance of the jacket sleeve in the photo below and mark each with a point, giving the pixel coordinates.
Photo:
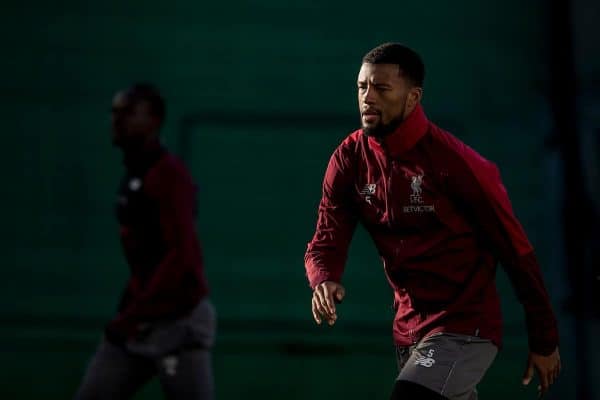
(326, 253)
(478, 188)
(173, 191)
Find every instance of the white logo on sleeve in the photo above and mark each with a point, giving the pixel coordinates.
(426, 361)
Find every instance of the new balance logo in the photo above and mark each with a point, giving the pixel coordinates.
(369, 188)
(426, 361)
(368, 191)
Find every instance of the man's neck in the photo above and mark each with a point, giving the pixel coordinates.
(137, 156)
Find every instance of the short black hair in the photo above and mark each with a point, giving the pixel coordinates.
(148, 92)
(410, 63)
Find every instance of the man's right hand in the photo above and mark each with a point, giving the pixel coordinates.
(325, 295)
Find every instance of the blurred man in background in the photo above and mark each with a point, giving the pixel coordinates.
(441, 219)
(166, 324)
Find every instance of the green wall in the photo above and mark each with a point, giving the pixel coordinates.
(241, 66)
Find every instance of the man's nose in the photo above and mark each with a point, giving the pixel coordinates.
(369, 95)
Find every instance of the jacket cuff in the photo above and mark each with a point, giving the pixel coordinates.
(321, 276)
(545, 340)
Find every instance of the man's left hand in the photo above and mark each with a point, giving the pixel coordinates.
(547, 367)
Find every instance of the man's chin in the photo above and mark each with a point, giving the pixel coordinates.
(372, 130)
(381, 130)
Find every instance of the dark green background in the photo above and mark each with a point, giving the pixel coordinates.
(230, 71)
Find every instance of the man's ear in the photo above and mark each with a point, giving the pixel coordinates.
(414, 97)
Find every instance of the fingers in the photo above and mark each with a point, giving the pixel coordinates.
(544, 383)
(328, 297)
(555, 374)
(528, 376)
(315, 311)
(559, 364)
(340, 293)
(547, 375)
(555, 371)
(321, 304)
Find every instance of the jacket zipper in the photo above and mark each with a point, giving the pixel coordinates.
(389, 195)
(412, 336)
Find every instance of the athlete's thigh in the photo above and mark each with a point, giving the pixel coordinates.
(448, 364)
(187, 374)
(476, 357)
(402, 355)
(113, 374)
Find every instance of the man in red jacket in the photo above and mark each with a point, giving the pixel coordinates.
(441, 219)
(166, 323)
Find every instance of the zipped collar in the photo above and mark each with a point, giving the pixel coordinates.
(413, 128)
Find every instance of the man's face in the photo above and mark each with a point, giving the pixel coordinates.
(385, 98)
(132, 121)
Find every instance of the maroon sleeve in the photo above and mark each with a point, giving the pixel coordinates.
(477, 186)
(173, 191)
(326, 254)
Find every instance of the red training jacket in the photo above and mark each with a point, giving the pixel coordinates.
(441, 219)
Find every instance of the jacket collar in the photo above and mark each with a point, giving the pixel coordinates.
(139, 162)
(413, 128)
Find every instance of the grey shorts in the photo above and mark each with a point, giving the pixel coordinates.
(449, 364)
(177, 352)
(195, 330)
